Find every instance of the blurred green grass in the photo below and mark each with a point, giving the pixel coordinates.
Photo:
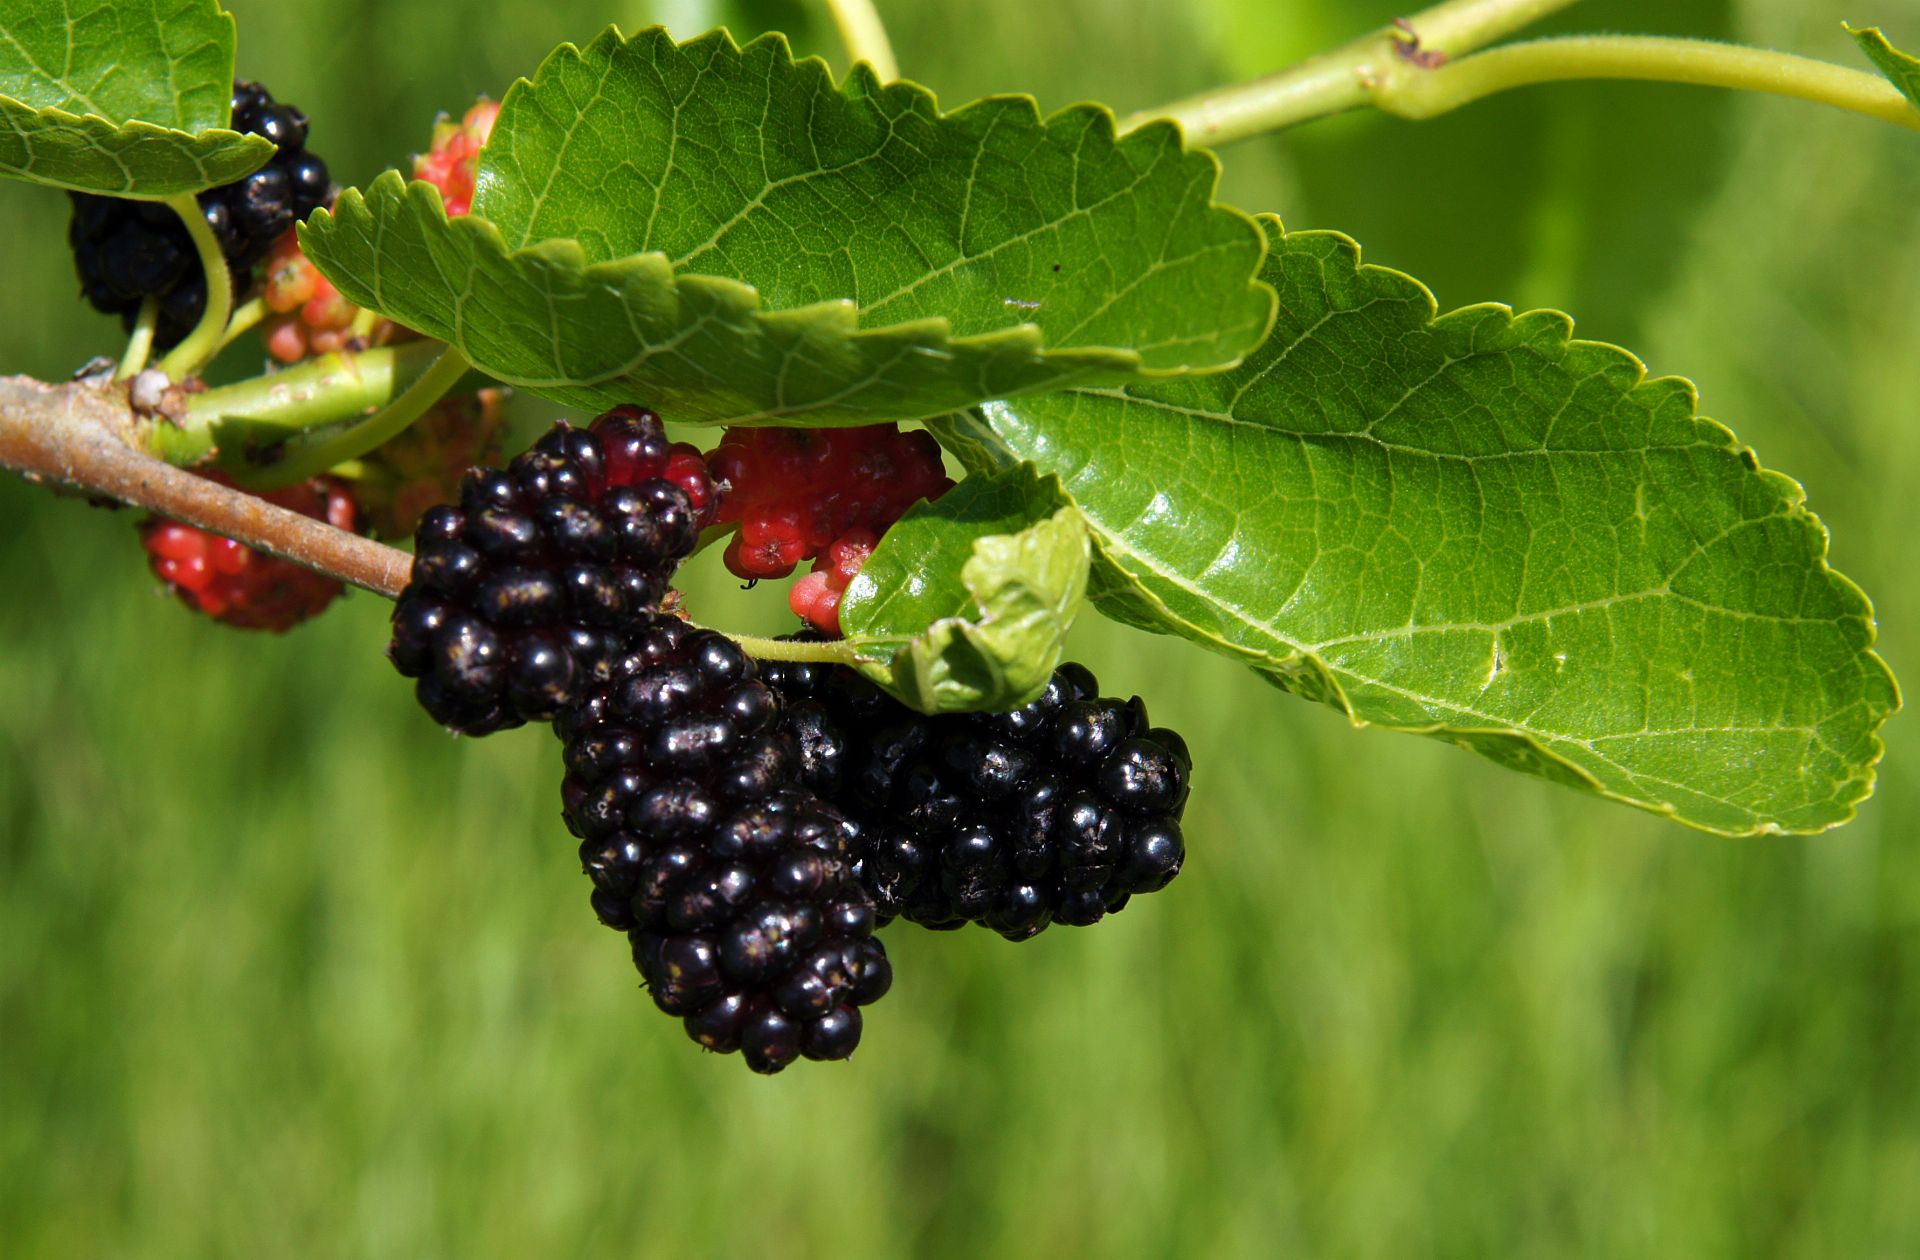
(286, 971)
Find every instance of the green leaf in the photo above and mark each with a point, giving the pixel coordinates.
(965, 603)
(1902, 68)
(1477, 528)
(124, 97)
(726, 234)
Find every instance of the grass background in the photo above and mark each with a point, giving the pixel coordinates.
(285, 971)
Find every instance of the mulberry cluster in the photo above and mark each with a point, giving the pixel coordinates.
(518, 595)
(306, 314)
(736, 886)
(1054, 813)
(128, 251)
(235, 584)
(796, 491)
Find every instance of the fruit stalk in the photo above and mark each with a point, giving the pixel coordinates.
(193, 354)
(83, 435)
(140, 344)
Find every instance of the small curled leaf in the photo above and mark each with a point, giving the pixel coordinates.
(966, 603)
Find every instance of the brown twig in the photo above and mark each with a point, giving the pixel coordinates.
(83, 435)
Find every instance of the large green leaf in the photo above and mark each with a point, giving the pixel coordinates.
(967, 601)
(124, 97)
(729, 236)
(1475, 527)
(1902, 69)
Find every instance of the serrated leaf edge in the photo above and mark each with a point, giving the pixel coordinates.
(1885, 56)
(97, 125)
(862, 81)
(1793, 500)
(927, 335)
(736, 296)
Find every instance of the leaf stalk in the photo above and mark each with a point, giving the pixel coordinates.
(1416, 69)
(200, 346)
(310, 454)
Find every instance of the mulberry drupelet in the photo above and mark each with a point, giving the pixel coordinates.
(796, 491)
(519, 593)
(1057, 812)
(736, 886)
(128, 251)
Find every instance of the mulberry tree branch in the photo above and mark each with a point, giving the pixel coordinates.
(84, 435)
(1349, 77)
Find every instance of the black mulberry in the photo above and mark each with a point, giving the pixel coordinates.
(518, 595)
(128, 251)
(735, 885)
(1053, 813)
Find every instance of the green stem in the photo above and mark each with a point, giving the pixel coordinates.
(1347, 77)
(320, 391)
(1650, 58)
(247, 316)
(310, 454)
(140, 344)
(865, 36)
(1463, 25)
(830, 651)
(200, 345)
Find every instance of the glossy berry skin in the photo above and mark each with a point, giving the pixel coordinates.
(1054, 813)
(796, 491)
(128, 251)
(244, 588)
(736, 886)
(519, 593)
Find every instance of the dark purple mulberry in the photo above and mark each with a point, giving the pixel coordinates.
(735, 884)
(519, 594)
(1056, 812)
(128, 251)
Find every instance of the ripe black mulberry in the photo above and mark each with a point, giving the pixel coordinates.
(736, 886)
(128, 251)
(519, 594)
(1057, 812)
